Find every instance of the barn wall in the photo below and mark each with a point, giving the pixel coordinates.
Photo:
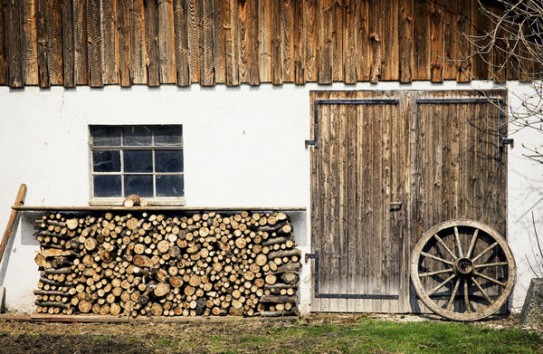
(208, 42)
(244, 147)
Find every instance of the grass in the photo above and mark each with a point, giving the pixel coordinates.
(362, 335)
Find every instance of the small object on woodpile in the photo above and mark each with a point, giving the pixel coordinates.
(199, 264)
(133, 200)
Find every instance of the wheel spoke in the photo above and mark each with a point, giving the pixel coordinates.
(453, 294)
(485, 251)
(466, 296)
(495, 281)
(425, 254)
(442, 284)
(445, 246)
(457, 239)
(436, 272)
(482, 291)
(472, 244)
(495, 264)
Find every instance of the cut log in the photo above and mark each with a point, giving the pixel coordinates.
(279, 299)
(286, 253)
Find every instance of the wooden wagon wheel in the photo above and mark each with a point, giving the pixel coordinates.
(463, 270)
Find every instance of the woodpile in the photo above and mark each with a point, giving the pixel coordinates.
(198, 264)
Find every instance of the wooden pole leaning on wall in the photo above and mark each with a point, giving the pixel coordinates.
(19, 200)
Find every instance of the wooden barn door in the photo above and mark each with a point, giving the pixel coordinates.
(359, 169)
(387, 166)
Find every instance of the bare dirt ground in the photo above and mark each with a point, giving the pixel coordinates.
(47, 337)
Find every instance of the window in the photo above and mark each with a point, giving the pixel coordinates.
(146, 160)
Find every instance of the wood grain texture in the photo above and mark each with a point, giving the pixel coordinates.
(94, 35)
(81, 43)
(3, 55)
(110, 43)
(233, 42)
(124, 9)
(181, 13)
(43, 48)
(68, 43)
(166, 42)
(54, 41)
(406, 34)
(435, 160)
(30, 43)
(138, 46)
(12, 17)
(151, 42)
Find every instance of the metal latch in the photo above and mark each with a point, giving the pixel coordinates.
(309, 256)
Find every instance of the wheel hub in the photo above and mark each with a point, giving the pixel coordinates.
(463, 267)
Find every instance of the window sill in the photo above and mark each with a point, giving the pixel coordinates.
(148, 202)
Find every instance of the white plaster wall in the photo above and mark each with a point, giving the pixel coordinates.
(243, 147)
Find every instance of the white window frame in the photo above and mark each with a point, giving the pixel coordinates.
(117, 201)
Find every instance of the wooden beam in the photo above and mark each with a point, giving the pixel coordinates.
(8, 232)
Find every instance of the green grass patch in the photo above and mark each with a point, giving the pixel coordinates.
(362, 335)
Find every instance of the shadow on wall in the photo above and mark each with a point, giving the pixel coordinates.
(23, 231)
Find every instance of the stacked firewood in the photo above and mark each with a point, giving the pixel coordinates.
(198, 264)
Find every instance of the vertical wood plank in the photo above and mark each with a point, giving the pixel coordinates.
(421, 48)
(436, 42)
(298, 42)
(248, 37)
(151, 36)
(219, 42)
(337, 40)
(43, 48)
(3, 54)
(309, 40)
(450, 38)
(464, 47)
(277, 39)
(406, 28)
(182, 55)
(287, 39)
(251, 49)
(194, 42)
(363, 49)
(138, 50)
(391, 60)
(30, 43)
(110, 42)
(80, 42)
(94, 43)
(12, 15)
(124, 11)
(377, 39)
(68, 44)
(349, 42)
(325, 42)
(230, 29)
(54, 40)
(166, 43)
(479, 27)
(265, 40)
(207, 69)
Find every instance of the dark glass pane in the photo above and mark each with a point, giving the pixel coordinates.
(169, 186)
(107, 186)
(138, 161)
(167, 135)
(106, 161)
(169, 161)
(106, 136)
(137, 136)
(141, 185)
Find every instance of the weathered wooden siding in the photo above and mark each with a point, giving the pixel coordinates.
(436, 153)
(233, 42)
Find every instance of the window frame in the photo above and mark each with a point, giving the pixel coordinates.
(118, 201)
